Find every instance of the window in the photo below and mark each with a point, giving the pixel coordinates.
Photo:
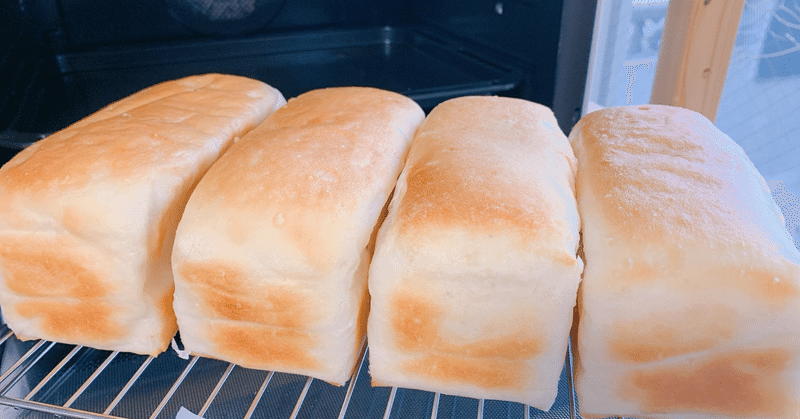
(780, 51)
(760, 104)
(624, 51)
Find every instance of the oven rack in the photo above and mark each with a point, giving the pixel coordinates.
(41, 379)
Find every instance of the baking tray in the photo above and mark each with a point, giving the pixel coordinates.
(421, 63)
(41, 379)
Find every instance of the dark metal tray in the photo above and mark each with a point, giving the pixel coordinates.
(420, 63)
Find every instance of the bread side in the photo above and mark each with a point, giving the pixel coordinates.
(474, 277)
(272, 252)
(691, 291)
(89, 213)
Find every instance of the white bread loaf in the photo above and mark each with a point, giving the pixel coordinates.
(475, 273)
(88, 215)
(690, 302)
(272, 252)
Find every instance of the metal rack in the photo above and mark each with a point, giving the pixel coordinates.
(41, 379)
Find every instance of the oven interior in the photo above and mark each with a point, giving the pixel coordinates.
(65, 59)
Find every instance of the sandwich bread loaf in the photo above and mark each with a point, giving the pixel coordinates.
(88, 214)
(272, 252)
(690, 302)
(475, 272)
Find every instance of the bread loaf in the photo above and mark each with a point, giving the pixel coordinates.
(690, 303)
(272, 252)
(88, 215)
(475, 273)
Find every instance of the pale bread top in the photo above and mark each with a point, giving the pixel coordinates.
(154, 137)
(509, 177)
(149, 129)
(318, 172)
(666, 177)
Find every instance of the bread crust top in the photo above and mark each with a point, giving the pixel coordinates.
(509, 175)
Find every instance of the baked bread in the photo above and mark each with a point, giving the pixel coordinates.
(690, 302)
(88, 214)
(271, 254)
(475, 273)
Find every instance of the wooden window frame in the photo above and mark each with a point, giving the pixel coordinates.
(695, 53)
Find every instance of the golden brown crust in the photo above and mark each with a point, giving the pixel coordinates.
(321, 135)
(39, 267)
(263, 347)
(650, 338)
(491, 374)
(416, 322)
(228, 293)
(62, 321)
(134, 134)
(740, 384)
(454, 178)
(170, 326)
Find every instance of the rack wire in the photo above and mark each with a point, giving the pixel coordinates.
(41, 379)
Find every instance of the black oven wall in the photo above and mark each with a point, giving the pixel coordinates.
(68, 58)
(525, 31)
(80, 25)
(25, 56)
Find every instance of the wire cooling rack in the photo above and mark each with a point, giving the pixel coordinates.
(40, 379)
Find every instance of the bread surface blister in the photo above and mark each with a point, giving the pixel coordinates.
(475, 273)
(690, 302)
(88, 214)
(272, 253)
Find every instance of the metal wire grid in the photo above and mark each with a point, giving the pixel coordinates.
(78, 382)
